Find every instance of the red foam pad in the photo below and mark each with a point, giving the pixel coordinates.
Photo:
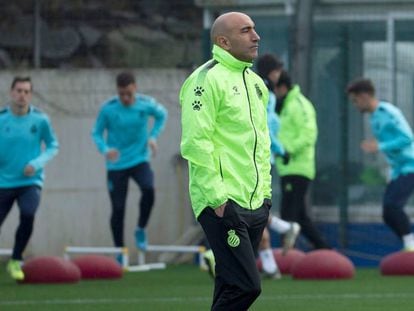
(287, 261)
(399, 263)
(98, 267)
(50, 269)
(284, 262)
(323, 264)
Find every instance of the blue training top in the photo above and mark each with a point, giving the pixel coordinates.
(273, 123)
(126, 129)
(395, 138)
(21, 139)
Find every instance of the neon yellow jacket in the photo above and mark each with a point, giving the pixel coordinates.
(224, 134)
(298, 134)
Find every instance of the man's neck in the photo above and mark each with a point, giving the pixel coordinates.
(19, 111)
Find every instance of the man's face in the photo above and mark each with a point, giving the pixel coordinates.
(274, 75)
(361, 101)
(21, 94)
(281, 91)
(127, 94)
(243, 39)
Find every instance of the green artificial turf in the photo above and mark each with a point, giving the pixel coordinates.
(185, 287)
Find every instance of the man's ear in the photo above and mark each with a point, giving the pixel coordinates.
(223, 42)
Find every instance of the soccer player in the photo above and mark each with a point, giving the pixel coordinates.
(298, 134)
(24, 130)
(127, 147)
(226, 141)
(393, 137)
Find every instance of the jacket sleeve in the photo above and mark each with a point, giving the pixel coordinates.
(401, 135)
(160, 114)
(198, 121)
(273, 123)
(304, 120)
(98, 132)
(51, 143)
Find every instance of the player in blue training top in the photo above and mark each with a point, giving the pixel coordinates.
(394, 137)
(127, 147)
(23, 131)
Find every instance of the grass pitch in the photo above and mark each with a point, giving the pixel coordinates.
(187, 288)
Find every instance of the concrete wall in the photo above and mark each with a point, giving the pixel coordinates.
(75, 206)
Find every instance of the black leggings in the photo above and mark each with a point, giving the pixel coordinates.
(294, 207)
(118, 189)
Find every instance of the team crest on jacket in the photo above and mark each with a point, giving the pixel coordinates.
(33, 129)
(258, 91)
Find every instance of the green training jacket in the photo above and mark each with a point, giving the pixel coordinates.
(298, 134)
(224, 134)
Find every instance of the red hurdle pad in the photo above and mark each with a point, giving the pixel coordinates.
(287, 261)
(98, 267)
(50, 269)
(398, 263)
(323, 264)
(284, 262)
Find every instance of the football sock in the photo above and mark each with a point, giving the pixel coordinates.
(279, 225)
(408, 241)
(268, 261)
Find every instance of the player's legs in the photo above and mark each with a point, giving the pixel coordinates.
(237, 282)
(7, 197)
(118, 189)
(288, 212)
(395, 197)
(28, 202)
(297, 188)
(144, 177)
(269, 264)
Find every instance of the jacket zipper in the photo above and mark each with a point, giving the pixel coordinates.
(255, 139)
(221, 169)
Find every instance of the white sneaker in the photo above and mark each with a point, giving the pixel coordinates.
(210, 262)
(290, 237)
(272, 276)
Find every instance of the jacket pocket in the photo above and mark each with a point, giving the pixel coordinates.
(231, 217)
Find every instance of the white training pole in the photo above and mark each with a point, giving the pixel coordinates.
(175, 248)
(142, 266)
(5, 252)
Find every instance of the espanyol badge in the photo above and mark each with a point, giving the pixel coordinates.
(233, 240)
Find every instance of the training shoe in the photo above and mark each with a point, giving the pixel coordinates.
(141, 239)
(210, 261)
(120, 259)
(272, 276)
(290, 237)
(14, 268)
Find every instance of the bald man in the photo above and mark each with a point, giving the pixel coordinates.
(226, 142)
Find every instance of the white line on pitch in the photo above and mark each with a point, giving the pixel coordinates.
(345, 296)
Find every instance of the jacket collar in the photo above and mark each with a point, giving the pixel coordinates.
(281, 101)
(295, 91)
(228, 60)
